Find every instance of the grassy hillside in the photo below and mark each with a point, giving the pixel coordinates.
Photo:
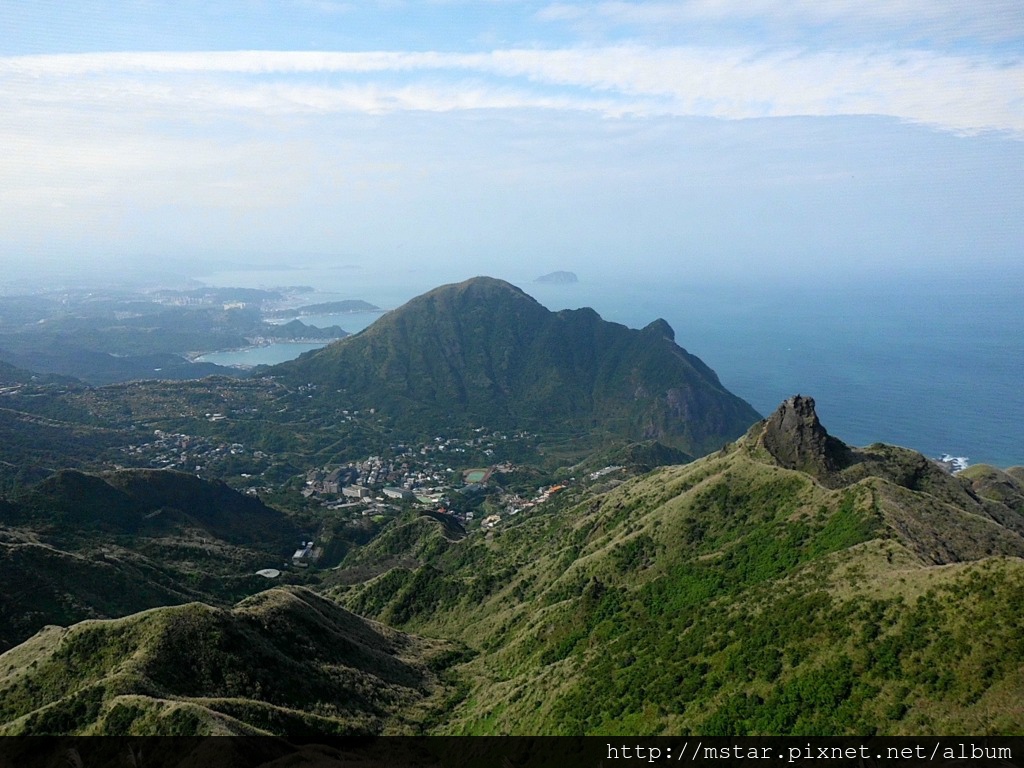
(284, 661)
(786, 584)
(736, 596)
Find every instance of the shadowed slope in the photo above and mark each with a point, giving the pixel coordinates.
(80, 546)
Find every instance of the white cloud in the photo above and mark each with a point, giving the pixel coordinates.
(956, 92)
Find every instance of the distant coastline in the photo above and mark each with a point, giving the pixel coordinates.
(270, 353)
(344, 307)
(271, 349)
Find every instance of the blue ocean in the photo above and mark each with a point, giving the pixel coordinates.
(935, 364)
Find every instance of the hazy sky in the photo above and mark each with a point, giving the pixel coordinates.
(728, 136)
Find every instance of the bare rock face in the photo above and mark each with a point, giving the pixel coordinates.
(794, 436)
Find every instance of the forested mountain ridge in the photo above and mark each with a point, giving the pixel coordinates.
(484, 352)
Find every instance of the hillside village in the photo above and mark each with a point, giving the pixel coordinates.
(446, 474)
(431, 476)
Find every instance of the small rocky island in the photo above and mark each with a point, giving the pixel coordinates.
(558, 278)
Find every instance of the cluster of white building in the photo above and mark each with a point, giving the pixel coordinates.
(187, 453)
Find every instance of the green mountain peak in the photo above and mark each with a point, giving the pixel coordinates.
(483, 352)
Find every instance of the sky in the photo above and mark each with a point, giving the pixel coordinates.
(726, 138)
